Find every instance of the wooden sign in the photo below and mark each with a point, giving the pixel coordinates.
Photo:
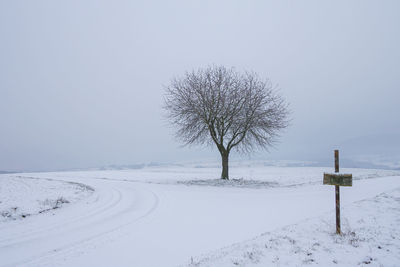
(338, 179)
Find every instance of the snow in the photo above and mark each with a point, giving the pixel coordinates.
(370, 236)
(21, 197)
(247, 171)
(167, 215)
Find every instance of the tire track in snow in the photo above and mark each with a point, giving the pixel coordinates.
(50, 226)
(48, 259)
(124, 202)
(31, 234)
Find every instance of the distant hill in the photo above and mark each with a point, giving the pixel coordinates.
(5, 172)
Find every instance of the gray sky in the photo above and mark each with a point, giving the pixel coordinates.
(81, 82)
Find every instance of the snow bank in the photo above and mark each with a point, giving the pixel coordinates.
(371, 236)
(21, 197)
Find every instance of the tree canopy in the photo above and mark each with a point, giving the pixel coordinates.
(226, 108)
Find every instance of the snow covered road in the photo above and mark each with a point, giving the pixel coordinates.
(44, 239)
(130, 223)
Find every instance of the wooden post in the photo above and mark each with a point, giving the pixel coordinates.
(337, 194)
(338, 180)
(336, 160)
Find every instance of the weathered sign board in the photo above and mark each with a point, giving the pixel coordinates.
(338, 179)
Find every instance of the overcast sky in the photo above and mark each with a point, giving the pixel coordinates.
(81, 82)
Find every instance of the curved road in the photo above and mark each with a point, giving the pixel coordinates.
(42, 238)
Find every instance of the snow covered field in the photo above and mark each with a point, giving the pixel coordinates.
(183, 215)
(370, 237)
(21, 197)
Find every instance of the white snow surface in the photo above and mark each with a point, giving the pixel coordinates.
(21, 197)
(370, 237)
(166, 216)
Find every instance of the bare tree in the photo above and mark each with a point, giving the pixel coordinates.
(221, 106)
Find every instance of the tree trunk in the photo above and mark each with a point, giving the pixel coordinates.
(225, 158)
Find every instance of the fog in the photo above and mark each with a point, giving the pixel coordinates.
(82, 82)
